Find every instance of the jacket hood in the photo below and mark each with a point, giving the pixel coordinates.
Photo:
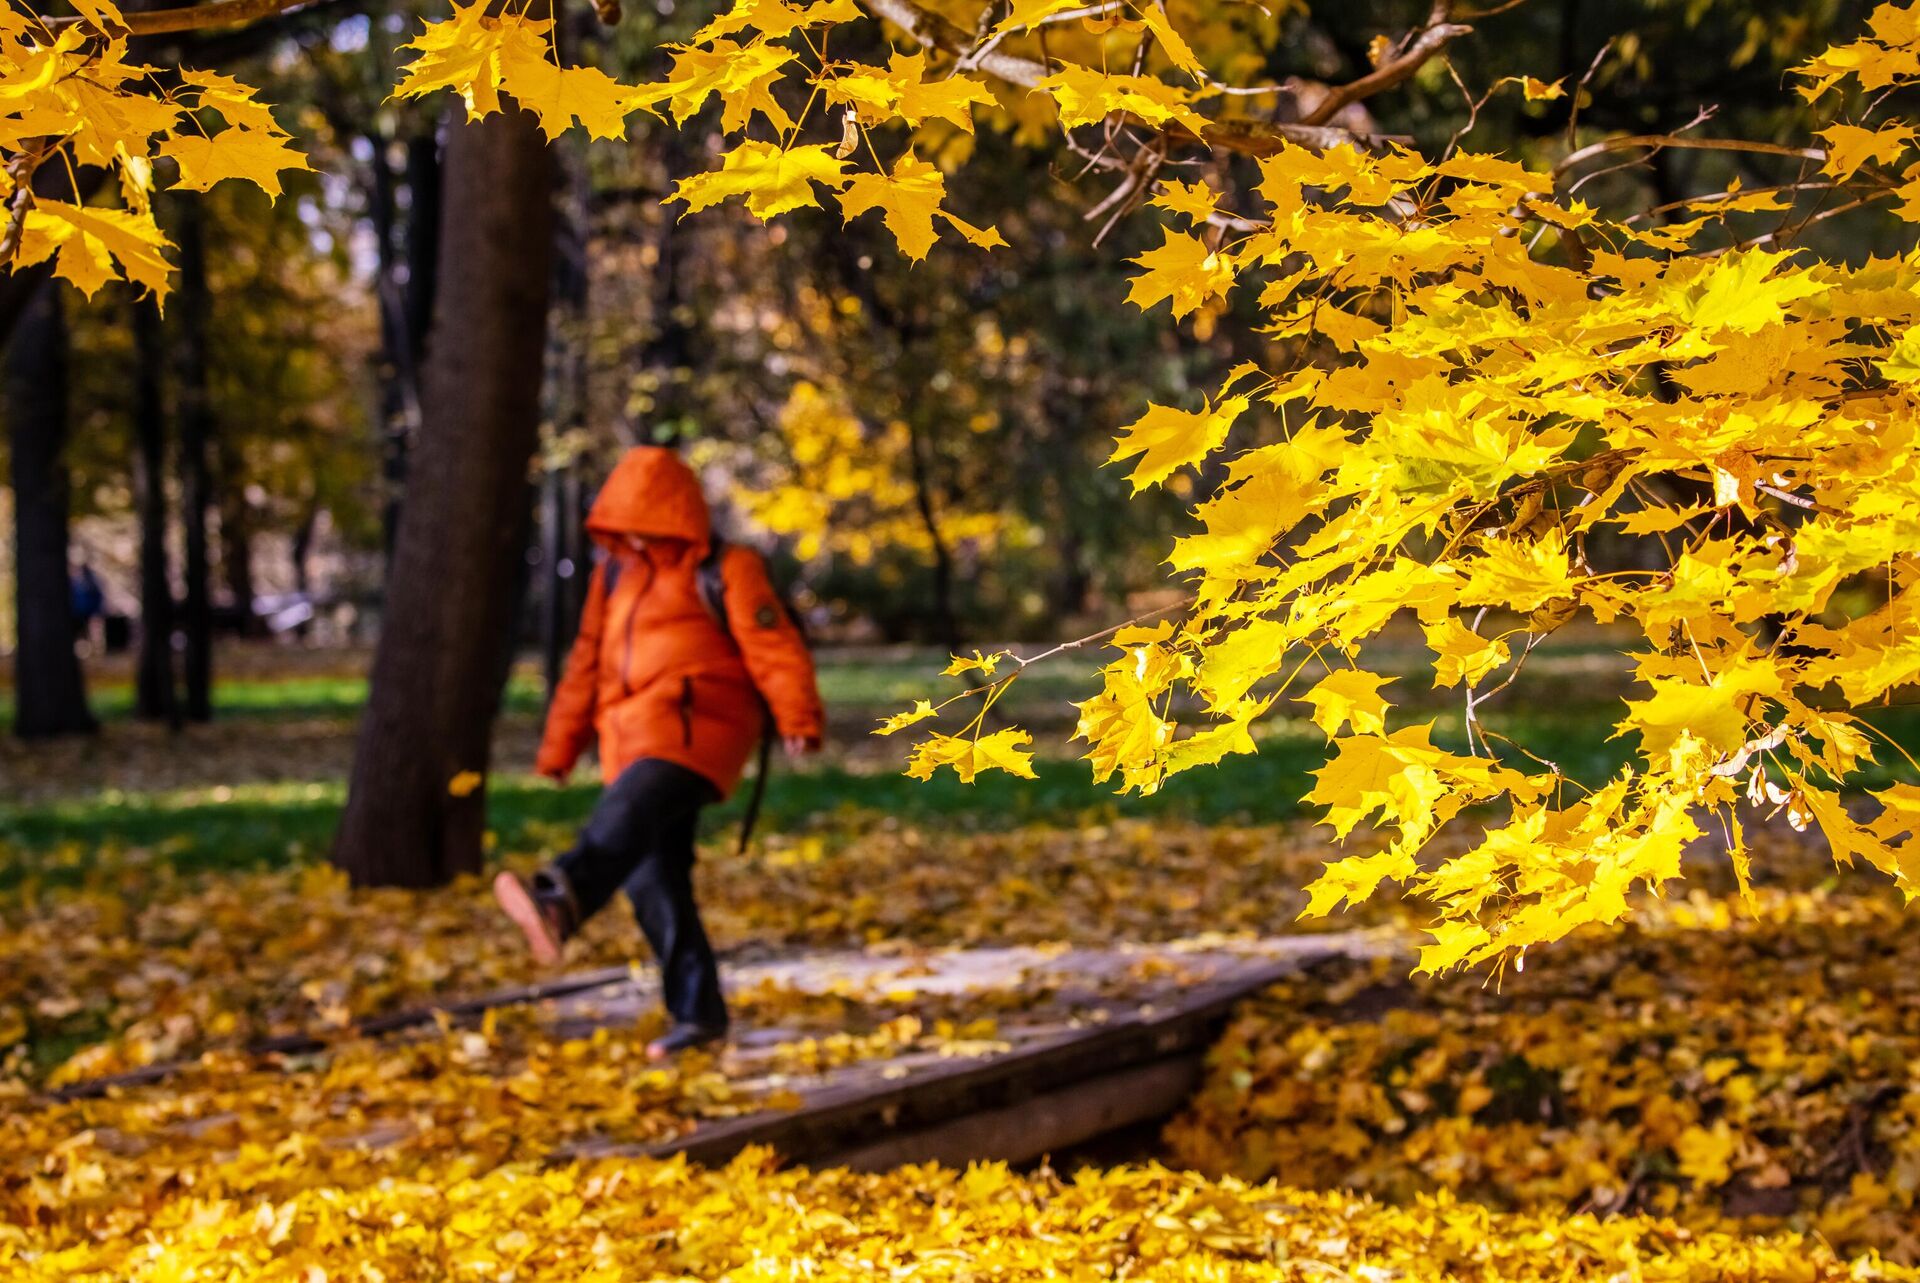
(651, 492)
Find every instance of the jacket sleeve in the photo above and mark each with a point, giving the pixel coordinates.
(570, 715)
(776, 654)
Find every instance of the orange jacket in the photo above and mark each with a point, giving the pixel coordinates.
(653, 673)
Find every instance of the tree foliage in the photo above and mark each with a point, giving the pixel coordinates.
(1490, 401)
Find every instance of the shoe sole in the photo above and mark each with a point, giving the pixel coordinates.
(517, 903)
(657, 1054)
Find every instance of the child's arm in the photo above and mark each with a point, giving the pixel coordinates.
(775, 652)
(570, 716)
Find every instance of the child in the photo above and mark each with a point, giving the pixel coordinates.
(681, 655)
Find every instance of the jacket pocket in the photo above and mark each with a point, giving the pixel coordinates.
(686, 712)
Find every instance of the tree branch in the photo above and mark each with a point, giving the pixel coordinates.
(1411, 56)
(1248, 137)
(220, 13)
(1655, 142)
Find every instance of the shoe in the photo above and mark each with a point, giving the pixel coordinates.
(684, 1036)
(541, 911)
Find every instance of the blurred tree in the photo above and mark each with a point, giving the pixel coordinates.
(156, 695)
(50, 696)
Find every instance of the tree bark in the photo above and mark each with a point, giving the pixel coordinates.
(156, 698)
(435, 672)
(50, 691)
(236, 540)
(195, 407)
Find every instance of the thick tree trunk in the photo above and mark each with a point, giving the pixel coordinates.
(50, 693)
(156, 698)
(435, 673)
(195, 407)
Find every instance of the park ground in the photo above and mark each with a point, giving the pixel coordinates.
(1721, 1088)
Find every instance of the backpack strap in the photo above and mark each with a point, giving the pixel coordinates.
(713, 584)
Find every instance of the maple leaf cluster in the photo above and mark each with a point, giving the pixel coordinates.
(70, 97)
(1490, 381)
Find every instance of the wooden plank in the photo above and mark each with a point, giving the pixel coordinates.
(1049, 1123)
(863, 1116)
(466, 1009)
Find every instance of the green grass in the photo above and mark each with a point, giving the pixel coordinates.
(281, 698)
(263, 825)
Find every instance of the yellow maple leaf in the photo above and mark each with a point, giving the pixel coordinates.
(775, 19)
(1195, 200)
(1348, 695)
(255, 155)
(90, 247)
(464, 784)
(907, 200)
(1026, 14)
(772, 179)
(982, 237)
(902, 90)
(1849, 147)
(968, 757)
(1087, 97)
(559, 95)
(1167, 439)
(1397, 775)
(1172, 43)
(1462, 654)
(463, 53)
(1738, 290)
(983, 664)
(1182, 271)
(920, 712)
(743, 76)
(237, 103)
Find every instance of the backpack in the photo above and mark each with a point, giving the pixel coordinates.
(712, 586)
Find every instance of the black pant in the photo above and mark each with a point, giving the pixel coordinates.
(640, 837)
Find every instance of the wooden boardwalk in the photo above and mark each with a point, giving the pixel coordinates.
(1090, 1041)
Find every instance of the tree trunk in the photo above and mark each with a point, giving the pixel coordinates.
(301, 553)
(435, 673)
(155, 696)
(195, 407)
(946, 620)
(50, 692)
(570, 355)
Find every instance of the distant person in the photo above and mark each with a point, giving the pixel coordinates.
(684, 651)
(87, 600)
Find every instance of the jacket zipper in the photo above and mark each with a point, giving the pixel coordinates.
(686, 712)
